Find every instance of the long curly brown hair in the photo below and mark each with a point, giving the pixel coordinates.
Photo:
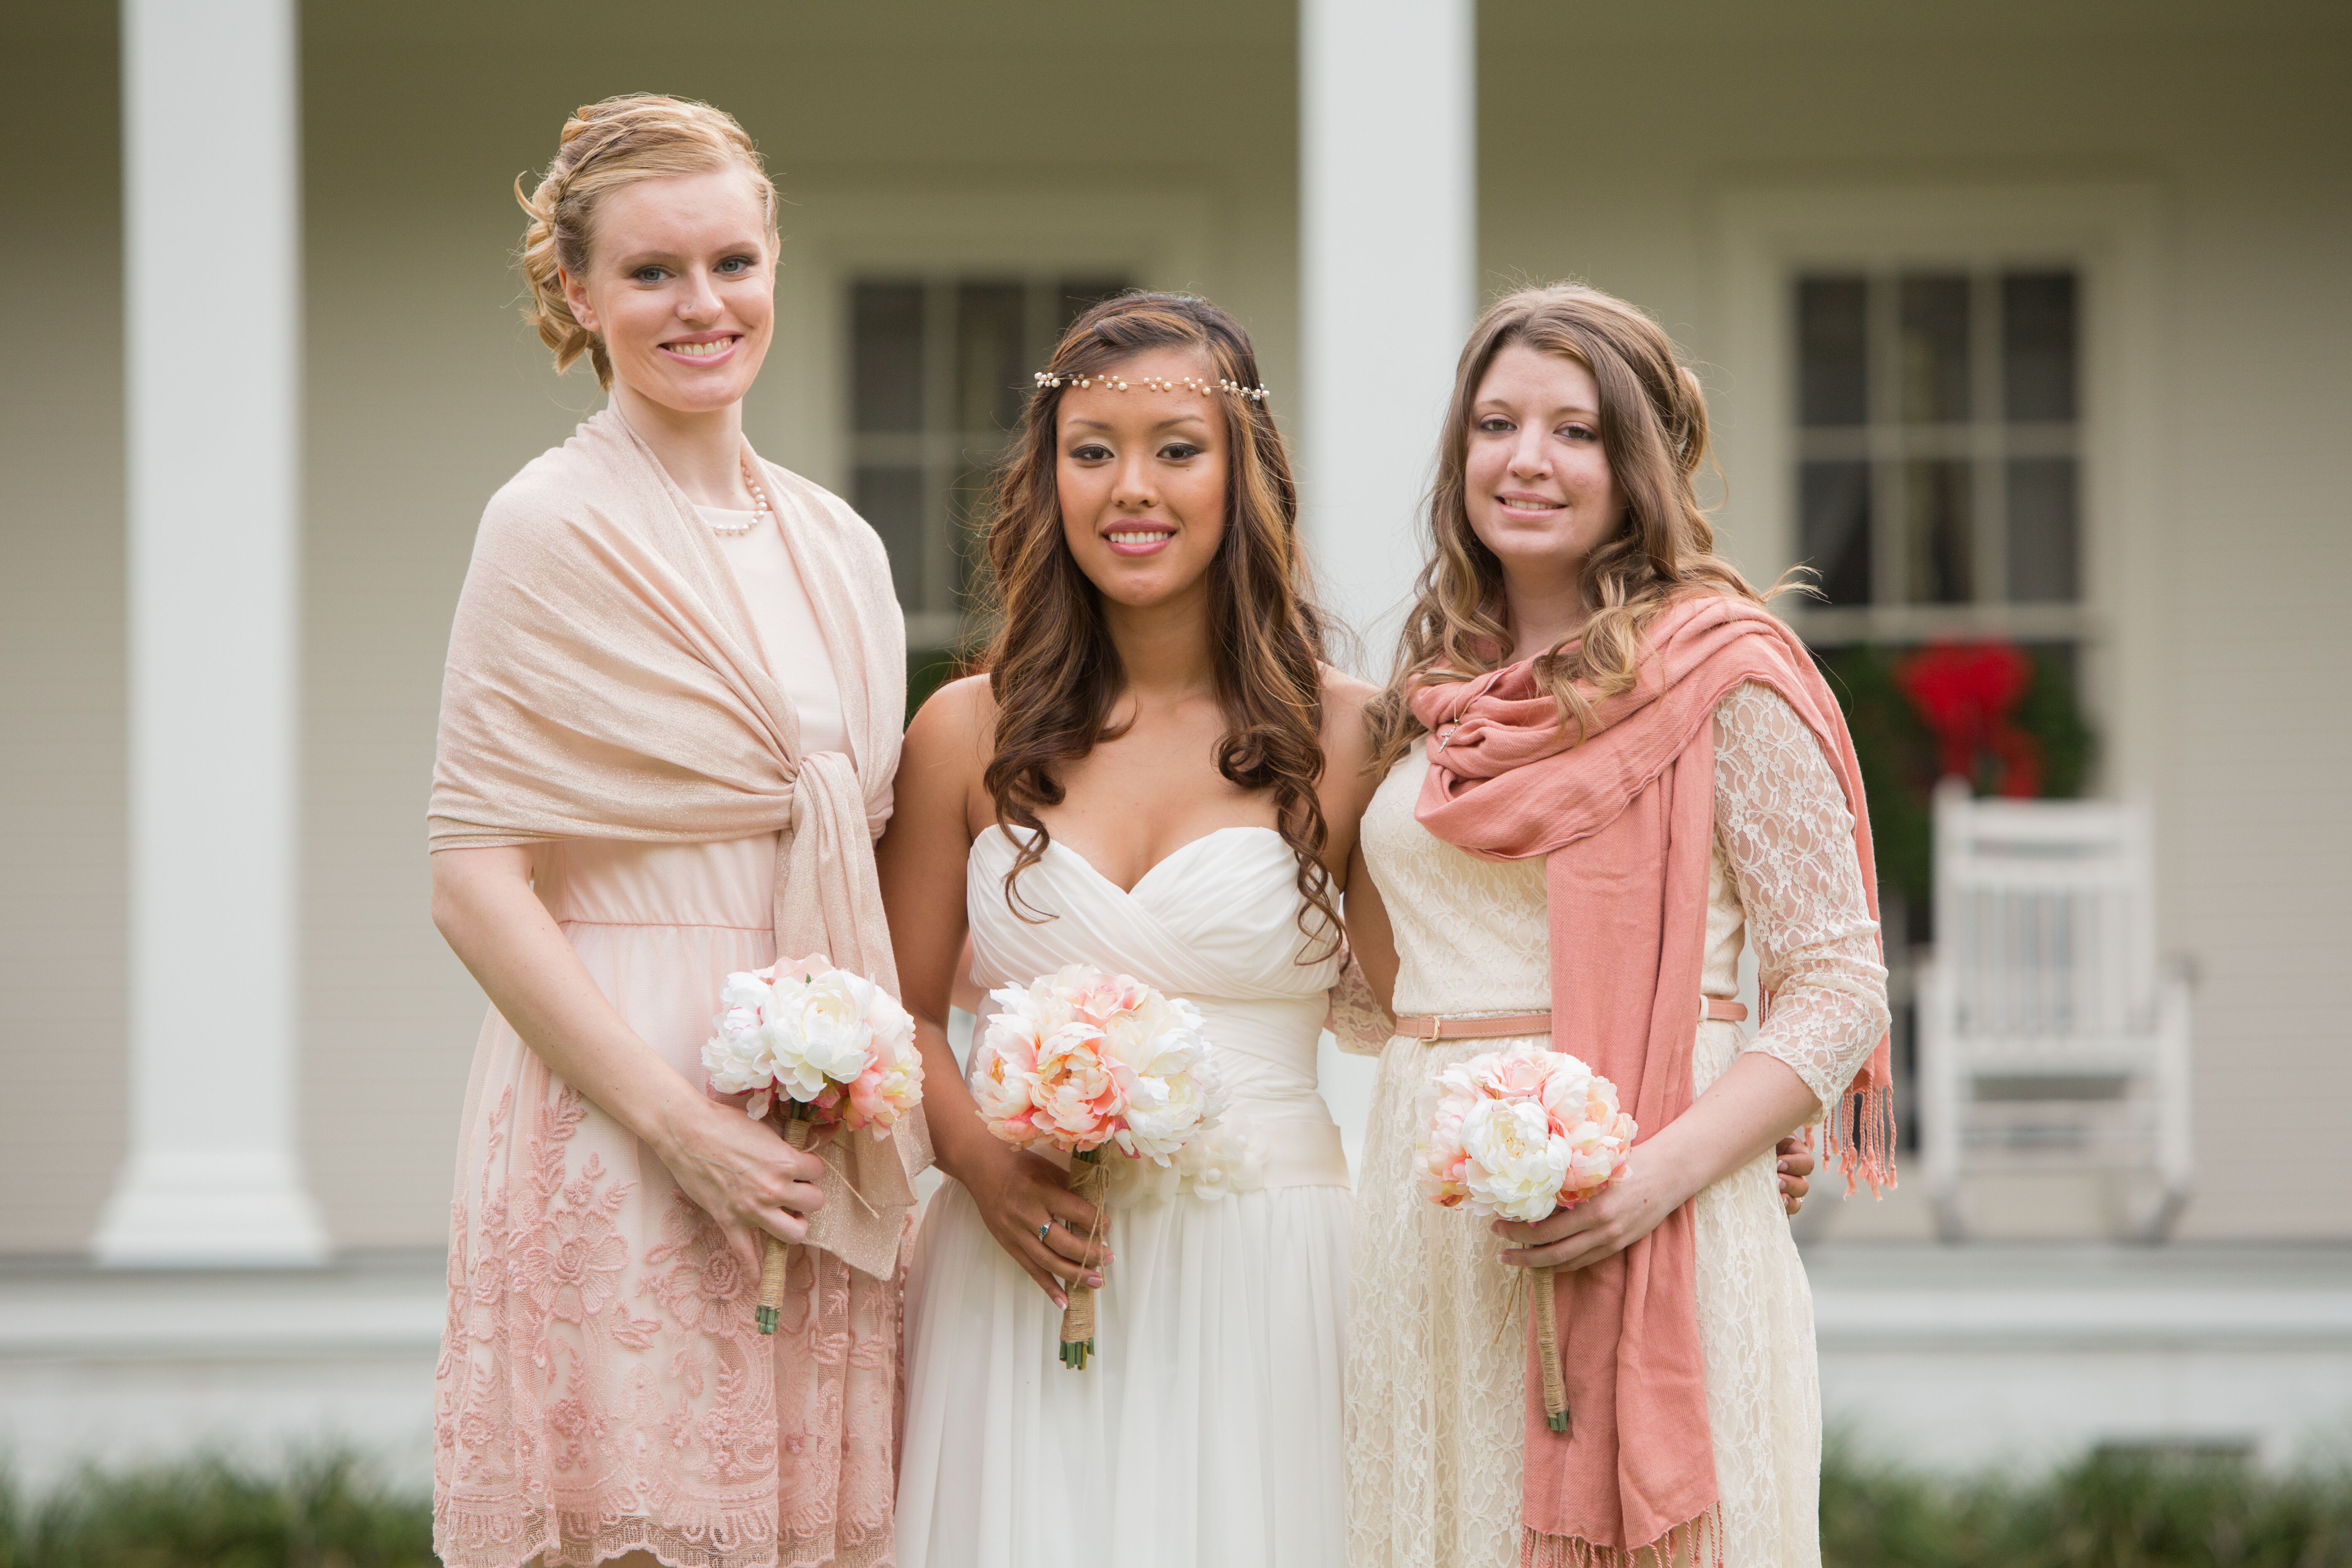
(1052, 666)
(1653, 431)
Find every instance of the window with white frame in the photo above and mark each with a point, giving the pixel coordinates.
(1938, 449)
(939, 370)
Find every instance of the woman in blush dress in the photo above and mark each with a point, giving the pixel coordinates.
(668, 726)
(1609, 769)
(1159, 776)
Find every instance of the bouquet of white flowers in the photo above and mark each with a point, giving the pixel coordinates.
(820, 1047)
(1520, 1135)
(1084, 1061)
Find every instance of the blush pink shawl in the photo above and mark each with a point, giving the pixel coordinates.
(1625, 820)
(605, 682)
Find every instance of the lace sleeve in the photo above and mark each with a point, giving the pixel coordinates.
(1356, 1020)
(1786, 831)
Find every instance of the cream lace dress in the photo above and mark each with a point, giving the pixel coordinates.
(1435, 1324)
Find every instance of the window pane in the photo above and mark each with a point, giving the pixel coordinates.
(2037, 334)
(886, 356)
(1081, 294)
(891, 498)
(2043, 561)
(1935, 312)
(1833, 507)
(989, 357)
(1832, 365)
(1937, 549)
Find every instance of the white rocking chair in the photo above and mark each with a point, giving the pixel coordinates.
(2049, 1038)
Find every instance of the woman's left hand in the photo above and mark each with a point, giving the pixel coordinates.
(1623, 1212)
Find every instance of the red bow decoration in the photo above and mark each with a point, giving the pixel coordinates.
(1965, 694)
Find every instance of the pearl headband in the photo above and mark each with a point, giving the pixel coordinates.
(1046, 379)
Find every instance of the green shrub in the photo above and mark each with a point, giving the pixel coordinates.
(2106, 1511)
(321, 1512)
(2109, 1511)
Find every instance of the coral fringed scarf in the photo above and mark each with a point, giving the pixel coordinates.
(1625, 820)
(605, 682)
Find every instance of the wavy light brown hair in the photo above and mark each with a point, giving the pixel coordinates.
(1052, 666)
(1653, 432)
(604, 146)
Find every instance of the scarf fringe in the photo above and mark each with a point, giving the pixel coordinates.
(1695, 1544)
(1859, 1134)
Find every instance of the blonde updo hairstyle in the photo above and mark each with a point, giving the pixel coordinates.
(1653, 431)
(607, 145)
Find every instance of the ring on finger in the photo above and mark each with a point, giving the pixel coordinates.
(1044, 1230)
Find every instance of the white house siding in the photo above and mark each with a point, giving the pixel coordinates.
(1606, 137)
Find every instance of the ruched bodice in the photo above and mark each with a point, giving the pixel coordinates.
(1216, 922)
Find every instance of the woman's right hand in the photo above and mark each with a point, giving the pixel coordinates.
(742, 1173)
(1017, 1192)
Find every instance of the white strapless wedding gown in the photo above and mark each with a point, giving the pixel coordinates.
(1208, 1428)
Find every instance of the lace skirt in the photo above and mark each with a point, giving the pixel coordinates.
(602, 1387)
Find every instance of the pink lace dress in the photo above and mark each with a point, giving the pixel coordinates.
(602, 1388)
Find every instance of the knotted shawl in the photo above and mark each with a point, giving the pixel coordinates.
(1625, 820)
(605, 682)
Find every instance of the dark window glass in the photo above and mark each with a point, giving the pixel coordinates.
(1935, 340)
(2037, 334)
(990, 356)
(1832, 362)
(1940, 554)
(1080, 295)
(886, 370)
(2043, 565)
(890, 498)
(1833, 507)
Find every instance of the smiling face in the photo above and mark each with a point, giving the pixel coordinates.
(1537, 483)
(681, 283)
(1140, 475)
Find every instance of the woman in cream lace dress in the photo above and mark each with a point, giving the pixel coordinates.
(1433, 1378)
(1437, 1363)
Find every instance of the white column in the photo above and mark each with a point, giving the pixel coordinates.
(1387, 285)
(1388, 242)
(213, 327)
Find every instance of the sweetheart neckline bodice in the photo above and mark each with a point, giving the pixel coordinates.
(1080, 855)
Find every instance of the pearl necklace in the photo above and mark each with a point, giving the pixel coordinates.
(761, 510)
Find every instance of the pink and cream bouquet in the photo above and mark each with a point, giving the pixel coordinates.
(820, 1047)
(1521, 1134)
(1087, 1062)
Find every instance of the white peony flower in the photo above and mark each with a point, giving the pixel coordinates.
(736, 1057)
(817, 1029)
(1516, 1163)
(1164, 1114)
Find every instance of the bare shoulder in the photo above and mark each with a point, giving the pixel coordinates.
(954, 726)
(1347, 729)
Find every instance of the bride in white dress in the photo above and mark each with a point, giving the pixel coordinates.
(1161, 778)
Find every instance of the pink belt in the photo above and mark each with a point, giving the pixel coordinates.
(1431, 1029)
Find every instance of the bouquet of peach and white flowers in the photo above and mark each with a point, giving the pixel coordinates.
(1086, 1062)
(820, 1046)
(1521, 1134)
